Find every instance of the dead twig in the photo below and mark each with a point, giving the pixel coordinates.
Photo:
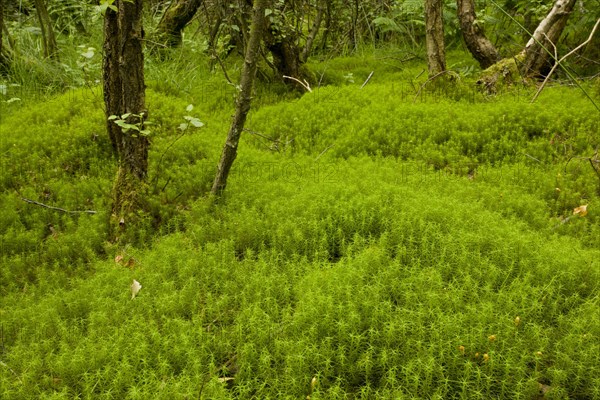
(57, 208)
(304, 84)
(368, 79)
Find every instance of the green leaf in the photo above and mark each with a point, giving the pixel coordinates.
(183, 126)
(189, 108)
(112, 117)
(196, 122)
(125, 116)
(268, 12)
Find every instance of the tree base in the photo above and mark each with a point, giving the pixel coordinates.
(504, 73)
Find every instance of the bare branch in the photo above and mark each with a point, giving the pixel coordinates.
(368, 79)
(57, 208)
(563, 58)
(304, 84)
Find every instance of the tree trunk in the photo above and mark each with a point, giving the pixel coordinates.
(112, 78)
(313, 32)
(125, 93)
(244, 98)
(434, 37)
(327, 27)
(537, 62)
(4, 58)
(48, 39)
(478, 44)
(175, 18)
(286, 57)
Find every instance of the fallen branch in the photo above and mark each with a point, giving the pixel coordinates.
(368, 79)
(57, 208)
(563, 58)
(304, 84)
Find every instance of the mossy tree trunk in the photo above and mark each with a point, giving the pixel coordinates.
(534, 60)
(434, 37)
(4, 57)
(244, 98)
(537, 62)
(175, 18)
(125, 93)
(49, 45)
(478, 44)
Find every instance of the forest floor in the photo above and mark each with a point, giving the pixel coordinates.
(375, 241)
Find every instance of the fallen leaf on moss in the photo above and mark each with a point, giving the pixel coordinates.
(135, 288)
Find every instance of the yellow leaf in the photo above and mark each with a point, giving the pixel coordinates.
(581, 210)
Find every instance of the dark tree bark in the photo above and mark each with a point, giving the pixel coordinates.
(328, 25)
(125, 93)
(112, 78)
(48, 39)
(286, 56)
(3, 56)
(434, 37)
(175, 18)
(537, 62)
(244, 98)
(478, 44)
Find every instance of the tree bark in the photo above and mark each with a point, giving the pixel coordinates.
(175, 18)
(478, 44)
(244, 98)
(125, 93)
(48, 39)
(112, 78)
(537, 62)
(434, 37)
(313, 32)
(3, 56)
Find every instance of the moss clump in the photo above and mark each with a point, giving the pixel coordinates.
(502, 74)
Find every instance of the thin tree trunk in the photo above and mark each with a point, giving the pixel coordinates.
(244, 98)
(434, 37)
(327, 27)
(48, 39)
(478, 44)
(537, 62)
(175, 18)
(313, 32)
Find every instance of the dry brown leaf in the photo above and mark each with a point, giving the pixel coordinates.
(118, 258)
(225, 379)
